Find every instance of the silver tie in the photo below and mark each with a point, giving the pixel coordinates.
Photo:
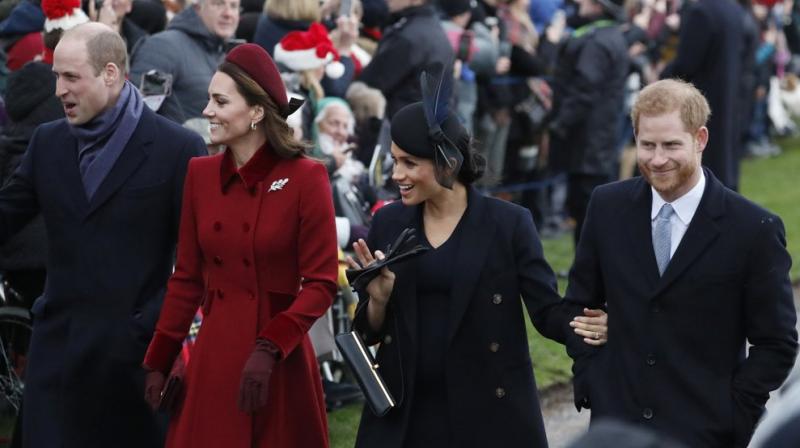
(662, 237)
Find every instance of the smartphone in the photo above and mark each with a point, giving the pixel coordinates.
(345, 7)
(155, 82)
(464, 45)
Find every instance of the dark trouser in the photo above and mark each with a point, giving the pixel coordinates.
(579, 190)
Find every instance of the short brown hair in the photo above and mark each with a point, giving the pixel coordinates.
(305, 10)
(105, 47)
(667, 96)
(279, 135)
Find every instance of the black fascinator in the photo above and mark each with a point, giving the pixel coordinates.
(428, 129)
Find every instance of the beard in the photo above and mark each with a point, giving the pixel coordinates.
(675, 183)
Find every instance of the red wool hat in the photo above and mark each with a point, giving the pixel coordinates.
(307, 50)
(256, 62)
(62, 14)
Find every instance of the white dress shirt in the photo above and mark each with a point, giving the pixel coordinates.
(685, 208)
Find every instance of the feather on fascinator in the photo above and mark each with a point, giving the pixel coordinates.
(437, 87)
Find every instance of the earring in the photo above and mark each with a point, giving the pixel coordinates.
(252, 125)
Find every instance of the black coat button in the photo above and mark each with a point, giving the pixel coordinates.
(500, 392)
(654, 308)
(137, 314)
(651, 359)
(494, 347)
(647, 413)
(497, 299)
(218, 260)
(387, 339)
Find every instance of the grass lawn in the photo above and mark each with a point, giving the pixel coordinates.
(769, 182)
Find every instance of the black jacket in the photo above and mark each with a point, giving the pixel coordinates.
(676, 359)
(588, 94)
(409, 45)
(29, 103)
(491, 392)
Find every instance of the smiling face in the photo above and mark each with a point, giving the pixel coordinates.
(83, 93)
(415, 177)
(337, 123)
(668, 156)
(227, 111)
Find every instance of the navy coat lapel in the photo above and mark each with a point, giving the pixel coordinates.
(477, 233)
(132, 156)
(639, 231)
(67, 162)
(406, 275)
(702, 231)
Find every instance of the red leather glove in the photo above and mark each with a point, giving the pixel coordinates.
(153, 385)
(254, 385)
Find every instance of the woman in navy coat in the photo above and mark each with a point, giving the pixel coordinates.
(454, 349)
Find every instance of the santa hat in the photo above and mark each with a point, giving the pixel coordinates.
(307, 50)
(63, 14)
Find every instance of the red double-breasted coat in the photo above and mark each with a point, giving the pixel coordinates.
(257, 247)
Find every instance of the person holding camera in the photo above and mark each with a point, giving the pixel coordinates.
(189, 51)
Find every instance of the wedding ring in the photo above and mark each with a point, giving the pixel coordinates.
(596, 335)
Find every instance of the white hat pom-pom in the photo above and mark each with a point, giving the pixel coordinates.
(334, 70)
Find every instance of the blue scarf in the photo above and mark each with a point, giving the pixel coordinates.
(101, 140)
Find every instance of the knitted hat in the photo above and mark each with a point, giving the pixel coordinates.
(63, 14)
(307, 50)
(256, 62)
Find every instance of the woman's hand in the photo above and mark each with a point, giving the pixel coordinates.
(593, 326)
(380, 288)
(153, 385)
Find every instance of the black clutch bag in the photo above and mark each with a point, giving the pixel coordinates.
(404, 247)
(364, 368)
(171, 394)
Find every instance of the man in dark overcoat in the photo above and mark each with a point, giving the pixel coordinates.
(108, 181)
(710, 56)
(691, 272)
(411, 43)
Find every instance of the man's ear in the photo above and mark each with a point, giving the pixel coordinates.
(111, 73)
(701, 138)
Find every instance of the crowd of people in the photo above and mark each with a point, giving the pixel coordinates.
(164, 157)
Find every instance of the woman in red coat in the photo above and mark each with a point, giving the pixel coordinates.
(257, 247)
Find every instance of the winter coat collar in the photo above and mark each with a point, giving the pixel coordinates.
(253, 172)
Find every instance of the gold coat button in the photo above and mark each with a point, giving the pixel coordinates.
(500, 392)
(494, 347)
(497, 299)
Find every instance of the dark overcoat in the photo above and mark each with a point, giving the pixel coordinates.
(675, 361)
(107, 267)
(710, 56)
(491, 391)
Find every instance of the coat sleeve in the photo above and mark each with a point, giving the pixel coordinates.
(318, 265)
(184, 290)
(585, 290)
(18, 199)
(770, 320)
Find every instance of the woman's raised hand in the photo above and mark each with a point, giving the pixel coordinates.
(380, 288)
